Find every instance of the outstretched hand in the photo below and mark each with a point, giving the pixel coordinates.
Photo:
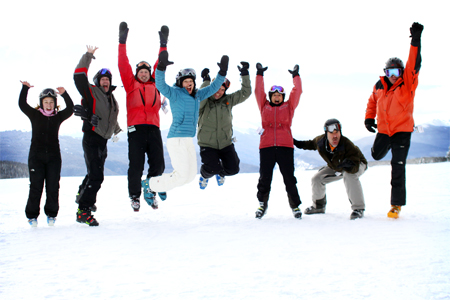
(244, 68)
(60, 90)
(91, 49)
(294, 72)
(260, 70)
(164, 60)
(205, 74)
(27, 84)
(416, 30)
(123, 32)
(223, 65)
(163, 36)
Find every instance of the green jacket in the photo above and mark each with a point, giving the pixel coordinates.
(214, 123)
(344, 150)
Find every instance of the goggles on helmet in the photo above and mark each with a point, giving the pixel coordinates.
(143, 63)
(105, 71)
(187, 72)
(277, 88)
(332, 127)
(393, 72)
(226, 83)
(47, 93)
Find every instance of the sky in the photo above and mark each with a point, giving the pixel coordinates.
(211, 246)
(340, 46)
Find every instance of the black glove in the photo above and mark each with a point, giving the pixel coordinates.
(164, 61)
(205, 74)
(123, 33)
(299, 144)
(244, 69)
(94, 120)
(260, 70)
(370, 124)
(346, 164)
(416, 32)
(163, 36)
(295, 71)
(223, 65)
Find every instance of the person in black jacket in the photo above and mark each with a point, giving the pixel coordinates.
(44, 159)
(344, 161)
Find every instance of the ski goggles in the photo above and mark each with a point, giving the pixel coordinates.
(105, 71)
(187, 72)
(143, 63)
(277, 88)
(397, 72)
(47, 93)
(332, 127)
(226, 83)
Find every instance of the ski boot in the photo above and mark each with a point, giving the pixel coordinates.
(394, 212)
(220, 180)
(85, 216)
(149, 195)
(203, 182)
(261, 211)
(312, 210)
(33, 222)
(135, 203)
(162, 195)
(51, 221)
(297, 213)
(357, 214)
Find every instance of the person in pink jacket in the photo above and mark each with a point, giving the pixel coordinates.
(276, 144)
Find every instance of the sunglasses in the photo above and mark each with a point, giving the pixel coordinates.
(393, 72)
(277, 88)
(332, 127)
(143, 63)
(47, 93)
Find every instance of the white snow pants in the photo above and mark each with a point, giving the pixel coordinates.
(184, 162)
(351, 181)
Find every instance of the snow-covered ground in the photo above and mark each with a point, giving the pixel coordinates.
(208, 244)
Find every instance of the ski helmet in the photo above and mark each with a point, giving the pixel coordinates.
(332, 124)
(226, 84)
(143, 65)
(276, 89)
(394, 63)
(47, 93)
(184, 74)
(102, 73)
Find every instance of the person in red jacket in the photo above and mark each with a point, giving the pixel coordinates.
(143, 105)
(392, 103)
(276, 144)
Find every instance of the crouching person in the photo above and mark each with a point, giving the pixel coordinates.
(344, 161)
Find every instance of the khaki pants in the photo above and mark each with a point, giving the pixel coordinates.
(351, 182)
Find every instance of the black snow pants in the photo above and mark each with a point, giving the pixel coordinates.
(144, 139)
(95, 152)
(399, 145)
(284, 157)
(44, 166)
(224, 162)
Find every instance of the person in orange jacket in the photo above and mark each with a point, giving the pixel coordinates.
(392, 103)
(143, 105)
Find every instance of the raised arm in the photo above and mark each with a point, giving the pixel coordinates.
(68, 111)
(23, 105)
(294, 97)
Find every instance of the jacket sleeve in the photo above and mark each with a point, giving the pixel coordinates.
(163, 87)
(371, 110)
(260, 95)
(82, 83)
(161, 49)
(412, 67)
(210, 90)
(23, 105)
(311, 144)
(294, 97)
(353, 154)
(125, 70)
(68, 111)
(243, 94)
(203, 103)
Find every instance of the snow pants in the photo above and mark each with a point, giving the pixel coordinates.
(95, 153)
(351, 181)
(224, 162)
(399, 145)
(144, 139)
(43, 167)
(184, 162)
(284, 157)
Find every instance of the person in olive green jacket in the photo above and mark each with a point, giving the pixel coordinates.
(215, 129)
(344, 161)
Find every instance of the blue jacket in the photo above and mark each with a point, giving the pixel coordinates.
(184, 107)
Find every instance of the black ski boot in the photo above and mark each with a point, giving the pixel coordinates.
(261, 211)
(357, 214)
(85, 216)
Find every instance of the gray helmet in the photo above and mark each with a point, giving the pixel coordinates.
(393, 63)
(332, 124)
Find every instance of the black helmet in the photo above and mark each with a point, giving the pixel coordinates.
(143, 65)
(184, 74)
(102, 73)
(394, 63)
(47, 93)
(332, 124)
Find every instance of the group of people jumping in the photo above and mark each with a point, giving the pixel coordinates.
(207, 113)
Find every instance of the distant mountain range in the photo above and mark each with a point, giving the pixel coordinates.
(15, 145)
